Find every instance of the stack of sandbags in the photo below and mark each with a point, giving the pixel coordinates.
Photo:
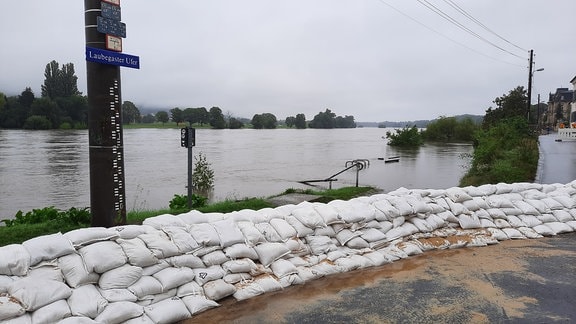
(174, 266)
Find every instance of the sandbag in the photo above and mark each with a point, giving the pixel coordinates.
(119, 312)
(283, 228)
(167, 311)
(181, 238)
(457, 195)
(128, 232)
(238, 266)
(268, 232)
(137, 252)
(14, 260)
(186, 260)
(103, 256)
(309, 217)
(214, 258)
(228, 232)
(282, 268)
(301, 229)
(202, 276)
(51, 313)
(87, 301)
(233, 278)
(320, 244)
(116, 295)
(10, 307)
(160, 221)
(205, 234)
(146, 286)
(173, 277)
(251, 234)
(34, 293)
(240, 250)
(85, 236)
(160, 244)
(121, 277)
(218, 289)
(190, 288)
(270, 252)
(75, 271)
(328, 213)
(48, 247)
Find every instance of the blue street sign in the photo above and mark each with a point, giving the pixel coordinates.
(110, 11)
(102, 56)
(110, 26)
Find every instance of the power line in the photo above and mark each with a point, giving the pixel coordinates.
(456, 23)
(446, 37)
(469, 16)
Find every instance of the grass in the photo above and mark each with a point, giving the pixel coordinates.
(19, 233)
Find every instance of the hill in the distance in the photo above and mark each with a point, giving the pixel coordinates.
(419, 123)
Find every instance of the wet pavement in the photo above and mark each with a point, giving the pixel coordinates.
(518, 281)
(557, 163)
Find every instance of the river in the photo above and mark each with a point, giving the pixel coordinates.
(51, 168)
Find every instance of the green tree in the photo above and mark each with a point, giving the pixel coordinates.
(217, 118)
(407, 137)
(300, 121)
(257, 122)
(148, 119)
(37, 122)
(130, 113)
(162, 117)
(507, 106)
(177, 115)
(26, 98)
(290, 121)
(234, 123)
(202, 175)
(344, 122)
(69, 81)
(47, 108)
(74, 108)
(324, 119)
(59, 82)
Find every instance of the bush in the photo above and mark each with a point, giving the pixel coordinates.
(203, 175)
(408, 136)
(73, 216)
(180, 202)
(37, 122)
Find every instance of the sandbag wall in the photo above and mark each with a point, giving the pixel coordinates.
(173, 267)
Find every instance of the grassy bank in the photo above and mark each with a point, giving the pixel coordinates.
(19, 233)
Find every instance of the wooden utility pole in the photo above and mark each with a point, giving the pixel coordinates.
(529, 86)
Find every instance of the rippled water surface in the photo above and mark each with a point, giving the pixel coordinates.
(51, 168)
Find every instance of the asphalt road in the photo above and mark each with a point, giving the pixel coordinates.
(520, 281)
(557, 163)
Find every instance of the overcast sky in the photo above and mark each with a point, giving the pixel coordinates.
(374, 59)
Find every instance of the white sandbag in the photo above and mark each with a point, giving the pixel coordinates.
(349, 263)
(290, 280)
(121, 277)
(186, 260)
(552, 203)
(385, 226)
(544, 230)
(529, 233)
(512, 211)
(395, 233)
(5, 281)
(160, 244)
(196, 217)
(282, 268)
(142, 319)
(328, 213)
(539, 205)
(89, 235)
(174, 277)
(251, 234)
(228, 232)
(376, 258)
(566, 201)
(197, 304)
(372, 235)
(167, 311)
(320, 244)
(482, 213)
(48, 247)
(87, 301)
(410, 248)
(515, 221)
(346, 235)
(309, 217)
(270, 252)
(238, 266)
(160, 221)
(387, 210)
(502, 188)
(572, 224)
(529, 220)
(562, 216)
(448, 217)
(501, 223)
(418, 205)
(119, 312)
(10, 307)
(513, 233)
(146, 286)
(498, 234)
(103, 256)
(526, 208)
(300, 228)
(546, 218)
(234, 278)
(496, 201)
(486, 223)
(205, 234)
(457, 195)
(116, 295)
(47, 270)
(51, 313)
(137, 252)
(128, 232)
(268, 283)
(202, 276)
(471, 205)
(297, 247)
(75, 271)
(218, 289)
(34, 293)
(78, 320)
(457, 208)
(181, 238)
(190, 288)
(306, 274)
(435, 221)
(404, 209)
(283, 229)
(206, 250)
(240, 250)
(421, 224)
(248, 290)
(14, 260)
(496, 213)
(268, 232)
(357, 243)
(559, 227)
(214, 258)
(150, 270)
(409, 229)
(325, 231)
(398, 221)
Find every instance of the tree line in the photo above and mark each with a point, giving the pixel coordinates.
(62, 106)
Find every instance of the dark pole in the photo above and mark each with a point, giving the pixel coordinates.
(190, 169)
(106, 151)
(529, 85)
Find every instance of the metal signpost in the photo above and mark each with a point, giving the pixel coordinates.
(103, 31)
(188, 140)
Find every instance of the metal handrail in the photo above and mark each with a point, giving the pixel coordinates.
(360, 164)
